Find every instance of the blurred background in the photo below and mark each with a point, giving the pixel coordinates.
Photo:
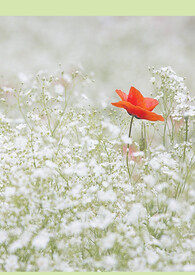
(116, 51)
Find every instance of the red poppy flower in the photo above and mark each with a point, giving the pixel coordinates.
(138, 106)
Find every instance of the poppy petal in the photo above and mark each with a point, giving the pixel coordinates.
(136, 98)
(151, 103)
(138, 111)
(122, 95)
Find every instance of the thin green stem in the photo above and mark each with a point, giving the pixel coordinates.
(186, 138)
(165, 126)
(46, 110)
(21, 111)
(130, 127)
(66, 100)
(60, 119)
(143, 143)
(28, 124)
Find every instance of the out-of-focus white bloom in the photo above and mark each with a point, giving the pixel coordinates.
(91, 143)
(59, 89)
(152, 79)
(173, 205)
(108, 241)
(105, 184)
(103, 219)
(156, 222)
(9, 191)
(154, 163)
(21, 126)
(3, 236)
(126, 139)
(43, 263)
(76, 190)
(67, 78)
(107, 195)
(189, 268)
(136, 214)
(160, 187)
(109, 261)
(167, 160)
(8, 89)
(149, 180)
(166, 241)
(98, 170)
(21, 242)
(11, 263)
(190, 112)
(51, 164)
(20, 142)
(68, 170)
(115, 130)
(41, 240)
(34, 117)
(75, 228)
(42, 172)
(138, 154)
(152, 256)
(81, 169)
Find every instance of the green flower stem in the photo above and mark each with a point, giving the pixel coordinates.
(28, 124)
(186, 138)
(46, 110)
(164, 134)
(143, 142)
(131, 122)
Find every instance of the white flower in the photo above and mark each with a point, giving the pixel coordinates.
(43, 263)
(152, 256)
(59, 89)
(81, 169)
(51, 164)
(21, 126)
(107, 195)
(67, 78)
(21, 242)
(149, 180)
(109, 261)
(9, 191)
(136, 213)
(41, 240)
(152, 79)
(108, 241)
(3, 236)
(154, 163)
(11, 263)
(126, 139)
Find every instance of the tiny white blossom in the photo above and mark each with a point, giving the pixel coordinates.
(11, 263)
(126, 139)
(59, 89)
(43, 263)
(81, 169)
(107, 195)
(67, 78)
(21, 126)
(41, 240)
(3, 236)
(108, 241)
